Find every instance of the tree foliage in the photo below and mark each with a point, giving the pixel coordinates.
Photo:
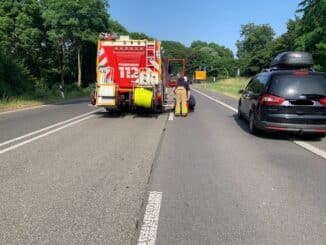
(21, 34)
(216, 59)
(312, 30)
(254, 47)
(174, 49)
(42, 42)
(139, 36)
(254, 39)
(116, 27)
(72, 23)
(307, 33)
(45, 42)
(202, 55)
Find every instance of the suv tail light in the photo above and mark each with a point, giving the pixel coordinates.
(301, 73)
(323, 101)
(268, 99)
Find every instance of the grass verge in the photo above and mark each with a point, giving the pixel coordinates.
(230, 86)
(46, 97)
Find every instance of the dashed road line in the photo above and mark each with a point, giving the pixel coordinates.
(149, 227)
(171, 116)
(303, 144)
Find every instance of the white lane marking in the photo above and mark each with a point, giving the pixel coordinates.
(304, 145)
(171, 116)
(24, 109)
(150, 224)
(46, 128)
(311, 148)
(43, 135)
(217, 101)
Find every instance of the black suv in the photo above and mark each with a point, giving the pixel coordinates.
(288, 96)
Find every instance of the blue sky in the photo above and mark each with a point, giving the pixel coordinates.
(216, 21)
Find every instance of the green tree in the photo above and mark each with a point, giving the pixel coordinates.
(254, 50)
(139, 36)
(198, 58)
(174, 49)
(198, 44)
(254, 39)
(222, 51)
(116, 27)
(312, 31)
(71, 24)
(21, 36)
(286, 42)
(216, 58)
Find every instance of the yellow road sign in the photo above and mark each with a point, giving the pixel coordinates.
(200, 75)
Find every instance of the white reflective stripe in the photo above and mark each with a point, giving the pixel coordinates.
(103, 62)
(101, 51)
(155, 64)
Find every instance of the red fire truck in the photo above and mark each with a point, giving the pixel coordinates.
(129, 73)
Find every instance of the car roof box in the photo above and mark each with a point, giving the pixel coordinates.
(292, 59)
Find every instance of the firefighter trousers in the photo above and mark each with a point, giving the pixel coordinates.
(181, 106)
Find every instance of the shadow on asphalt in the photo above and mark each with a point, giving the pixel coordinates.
(146, 115)
(104, 114)
(243, 124)
(134, 114)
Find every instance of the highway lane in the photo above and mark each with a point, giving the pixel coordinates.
(221, 185)
(15, 124)
(233, 102)
(84, 184)
(88, 183)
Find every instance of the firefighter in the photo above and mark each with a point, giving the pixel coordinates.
(182, 92)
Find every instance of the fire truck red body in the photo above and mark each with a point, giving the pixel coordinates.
(129, 73)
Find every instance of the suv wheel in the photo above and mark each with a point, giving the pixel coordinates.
(318, 136)
(240, 116)
(252, 127)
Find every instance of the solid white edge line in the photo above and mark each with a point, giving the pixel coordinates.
(171, 116)
(23, 109)
(215, 100)
(149, 227)
(304, 145)
(46, 128)
(43, 135)
(311, 148)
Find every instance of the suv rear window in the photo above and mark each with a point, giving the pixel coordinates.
(290, 86)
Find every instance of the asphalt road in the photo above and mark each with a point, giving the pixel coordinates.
(19, 123)
(83, 184)
(220, 185)
(89, 180)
